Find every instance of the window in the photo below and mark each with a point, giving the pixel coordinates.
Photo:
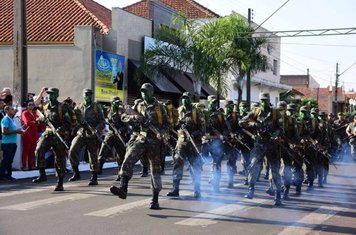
(274, 67)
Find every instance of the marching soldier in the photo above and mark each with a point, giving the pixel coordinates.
(91, 119)
(116, 137)
(213, 140)
(351, 134)
(230, 150)
(245, 152)
(289, 128)
(340, 133)
(191, 124)
(58, 120)
(264, 119)
(154, 124)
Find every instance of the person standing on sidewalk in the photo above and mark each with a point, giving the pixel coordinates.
(9, 142)
(30, 136)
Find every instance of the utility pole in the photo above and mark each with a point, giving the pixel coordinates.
(248, 75)
(336, 86)
(20, 53)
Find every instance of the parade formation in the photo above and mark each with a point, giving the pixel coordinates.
(296, 145)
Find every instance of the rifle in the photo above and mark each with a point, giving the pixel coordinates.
(320, 150)
(299, 155)
(91, 129)
(234, 136)
(53, 129)
(225, 139)
(117, 133)
(341, 127)
(184, 129)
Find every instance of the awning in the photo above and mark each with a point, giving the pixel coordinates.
(206, 89)
(163, 84)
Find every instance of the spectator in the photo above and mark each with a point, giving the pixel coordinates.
(2, 114)
(8, 145)
(30, 136)
(6, 96)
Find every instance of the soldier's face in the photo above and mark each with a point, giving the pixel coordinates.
(87, 98)
(213, 105)
(282, 112)
(265, 103)
(229, 108)
(186, 101)
(52, 97)
(146, 95)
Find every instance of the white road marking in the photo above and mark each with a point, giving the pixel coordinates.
(53, 200)
(211, 217)
(112, 211)
(309, 222)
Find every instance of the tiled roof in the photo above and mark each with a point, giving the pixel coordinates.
(53, 21)
(190, 8)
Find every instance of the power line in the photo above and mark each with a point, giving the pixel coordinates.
(272, 15)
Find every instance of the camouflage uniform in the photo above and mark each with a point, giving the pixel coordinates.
(245, 152)
(289, 128)
(351, 132)
(58, 115)
(340, 135)
(92, 122)
(191, 119)
(230, 150)
(215, 128)
(154, 115)
(264, 119)
(111, 139)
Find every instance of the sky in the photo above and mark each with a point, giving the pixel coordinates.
(319, 54)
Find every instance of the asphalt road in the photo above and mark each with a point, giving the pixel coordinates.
(31, 209)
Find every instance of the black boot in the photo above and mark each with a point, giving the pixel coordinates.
(76, 174)
(310, 185)
(298, 189)
(251, 192)
(277, 200)
(154, 203)
(42, 176)
(59, 186)
(286, 192)
(270, 191)
(175, 190)
(121, 191)
(101, 165)
(94, 179)
(246, 181)
(163, 164)
(144, 172)
(118, 178)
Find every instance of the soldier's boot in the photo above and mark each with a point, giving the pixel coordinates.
(270, 190)
(175, 190)
(76, 174)
(197, 190)
(298, 189)
(286, 192)
(144, 172)
(310, 185)
(246, 181)
(120, 191)
(59, 186)
(118, 178)
(163, 164)
(42, 176)
(305, 181)
(325, 180)
(277, 200)
(251, 192)
(94, 179)
(101, 165)
(230, 181)
(154, 203)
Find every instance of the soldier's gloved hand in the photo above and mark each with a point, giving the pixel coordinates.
(221, 137)
(256, 137)
(60, 130)
(302, 141)
(205, 139)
